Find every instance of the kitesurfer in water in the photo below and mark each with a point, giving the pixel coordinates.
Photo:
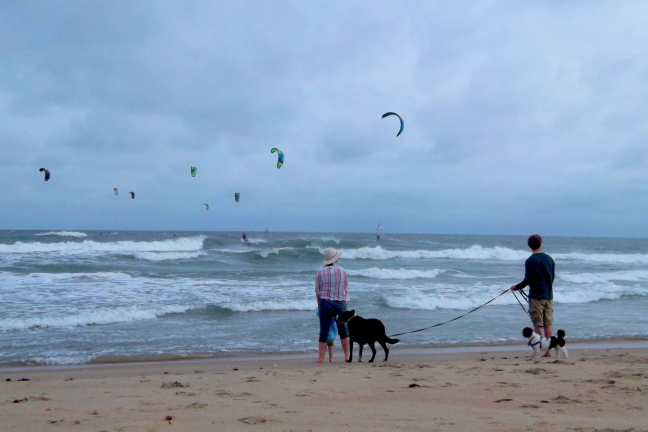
(331, 291)
(539, 273)
(244, 237)
(266, 231)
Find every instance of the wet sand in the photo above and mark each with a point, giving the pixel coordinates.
(488, 388)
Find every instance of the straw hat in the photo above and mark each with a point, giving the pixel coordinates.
(330, 256)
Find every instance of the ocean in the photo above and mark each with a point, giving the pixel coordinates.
(73, 297)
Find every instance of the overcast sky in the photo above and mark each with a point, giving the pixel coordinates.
(520, 117)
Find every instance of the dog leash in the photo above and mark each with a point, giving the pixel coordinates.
(525, 297)
(456, 318)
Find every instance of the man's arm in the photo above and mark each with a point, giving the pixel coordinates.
(525, 282)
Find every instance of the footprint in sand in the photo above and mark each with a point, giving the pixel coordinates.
(253, 420)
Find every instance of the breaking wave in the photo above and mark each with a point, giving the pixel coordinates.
(402, 274)
(604, 258)
(166, 256)
(433, 301)
(63, 234)
(473, 252)
(588, 278)
(95, 317)
(86, 246)
(271, 305)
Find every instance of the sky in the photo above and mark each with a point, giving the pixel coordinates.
(520, 117)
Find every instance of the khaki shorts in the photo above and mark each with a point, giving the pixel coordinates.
(541, 311)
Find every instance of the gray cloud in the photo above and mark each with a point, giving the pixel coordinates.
(519, 117)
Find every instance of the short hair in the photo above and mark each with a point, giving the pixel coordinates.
(534, 241)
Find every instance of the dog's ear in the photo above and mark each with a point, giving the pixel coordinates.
(352, 311)
(527, 332)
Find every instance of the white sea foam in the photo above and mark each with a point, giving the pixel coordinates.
(62, 360)
(474, 252)
(167, 256)
(44, 278)
(271, 305)
(382, 273)
(256, 240)
(418, 300)
(94, 317)
(588, 278)
(604, 258)
(63, 234)
(88, 246)
(438, 300)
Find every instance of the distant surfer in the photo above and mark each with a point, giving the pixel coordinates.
(244, 238)
(266, 231)
(379, 231)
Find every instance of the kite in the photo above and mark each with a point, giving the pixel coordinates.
(237, 196)
(280, 160)
(206, 206)
(401, 121)
(116, 191)
(132, 194)
(194, 170)
(47, 173)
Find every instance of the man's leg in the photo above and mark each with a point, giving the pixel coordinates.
(547, 317)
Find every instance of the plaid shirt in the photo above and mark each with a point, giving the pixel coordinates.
(331, 283)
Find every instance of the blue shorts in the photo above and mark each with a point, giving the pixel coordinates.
(328, 309)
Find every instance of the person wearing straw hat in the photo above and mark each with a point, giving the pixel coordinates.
(331, 289)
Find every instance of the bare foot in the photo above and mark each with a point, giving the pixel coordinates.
(531, 355)
(331, 360)
(319, 361)
(547, 354)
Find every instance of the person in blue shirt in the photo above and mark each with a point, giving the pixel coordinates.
(539, 273)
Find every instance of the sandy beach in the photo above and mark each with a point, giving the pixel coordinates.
(492, 390)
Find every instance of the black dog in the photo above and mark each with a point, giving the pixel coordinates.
(365, 331)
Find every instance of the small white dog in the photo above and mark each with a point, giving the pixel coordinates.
(541, 345)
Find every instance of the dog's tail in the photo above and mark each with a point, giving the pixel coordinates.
(391, 341)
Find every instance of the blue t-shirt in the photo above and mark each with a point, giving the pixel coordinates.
(539, 272)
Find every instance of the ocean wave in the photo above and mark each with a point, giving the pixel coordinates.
(434, 301)
(588, 278)
(275, 251)
(604, 258)
(167, 256)
(45, 278)
(402, 274)
(94, 317)
(61, 360)
(171, 245)
(63, 234)
(271, 305)
(473, 252)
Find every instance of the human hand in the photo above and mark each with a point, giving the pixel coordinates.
(513, 287)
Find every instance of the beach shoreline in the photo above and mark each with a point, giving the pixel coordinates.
(495, 388)
(603, 343)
